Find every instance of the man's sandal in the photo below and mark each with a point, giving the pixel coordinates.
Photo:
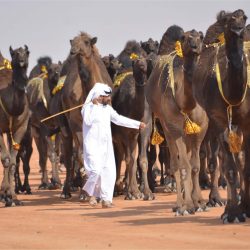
(92, 201)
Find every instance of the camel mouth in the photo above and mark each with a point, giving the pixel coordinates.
(238, 31)
(22, 63)
(73, 52)
(195, 50)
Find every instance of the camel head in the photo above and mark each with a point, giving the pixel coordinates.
(192, 42)
(150, 46)
(83, 44)
(20, 57)
(237, 23)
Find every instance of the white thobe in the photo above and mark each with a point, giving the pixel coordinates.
(98, 153)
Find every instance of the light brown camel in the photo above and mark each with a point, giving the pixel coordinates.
(169, 94)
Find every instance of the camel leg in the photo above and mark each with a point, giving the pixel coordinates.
(203, 176)
(163, 159)
(53, 157)
(151, 161)
(11, 198)
(214, 170)
(118, 149)
(233, 212)
(80, 174)
(246, 179)
(67, 142)
(41, 144)
(174, 170)
(184, 175)
(5, 159)
(18, 183)
(143, 160)
(133, 191)
(26, 169)
(194, 147)
(25, 156)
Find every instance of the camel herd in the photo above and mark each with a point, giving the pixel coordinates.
(191, 90)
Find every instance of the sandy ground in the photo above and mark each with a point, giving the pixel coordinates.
(47, 222)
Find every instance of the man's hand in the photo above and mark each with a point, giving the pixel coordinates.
(142, 125)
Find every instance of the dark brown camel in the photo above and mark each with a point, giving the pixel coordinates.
(224, 65)
(129, 100)
(112, 65)
(25, 150)
(74, 93)
(43, 78)
(14, 114)
(169, 93)
(151, 48)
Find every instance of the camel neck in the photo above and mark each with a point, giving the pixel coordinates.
(234, 50)
(19, 78)
(189, 65)
(235, 70)
(140, 78)
(188, 101)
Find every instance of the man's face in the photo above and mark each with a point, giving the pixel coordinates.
(105, 100)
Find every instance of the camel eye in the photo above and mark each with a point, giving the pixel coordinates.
(234, 17)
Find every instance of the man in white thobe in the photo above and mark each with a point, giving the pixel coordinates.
(98, 153)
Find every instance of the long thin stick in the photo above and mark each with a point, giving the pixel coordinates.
(60, 113)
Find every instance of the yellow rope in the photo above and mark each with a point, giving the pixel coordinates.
(59, 85)
(37, 82)
(221, 42)
(121, 77)
(246, 49)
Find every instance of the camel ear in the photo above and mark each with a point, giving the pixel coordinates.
(111, 57)
(27, 49)
(11, 51)
(201, 35)
(59, 62)
(156, 44)
(70, 41)
(93, 41)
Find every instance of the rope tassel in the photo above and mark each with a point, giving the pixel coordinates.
(190, 127)
(156, 139)
(234, 142)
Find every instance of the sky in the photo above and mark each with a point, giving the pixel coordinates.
(47, 26)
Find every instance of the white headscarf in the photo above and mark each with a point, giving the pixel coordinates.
(97, 90)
